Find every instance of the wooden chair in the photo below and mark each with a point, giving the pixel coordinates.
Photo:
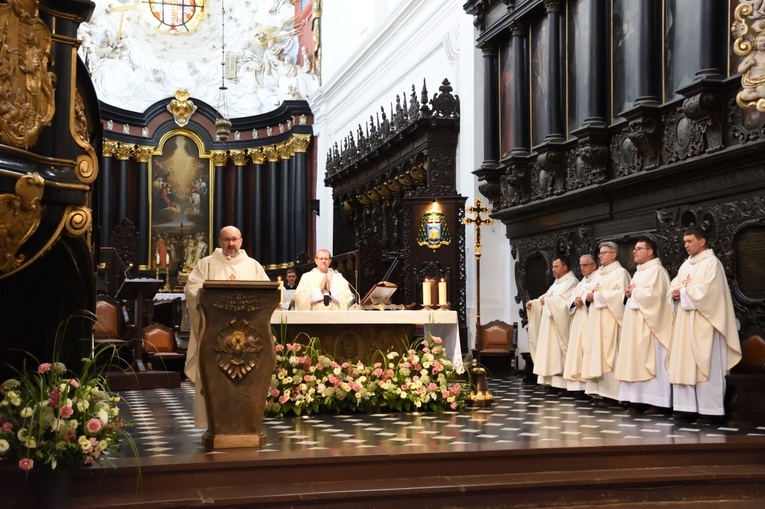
(110, 328)
(498, 339)
(161, 347)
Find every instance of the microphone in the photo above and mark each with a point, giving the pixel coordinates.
(357, 296)
(130, 266)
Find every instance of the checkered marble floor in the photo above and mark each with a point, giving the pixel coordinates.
(164, 425)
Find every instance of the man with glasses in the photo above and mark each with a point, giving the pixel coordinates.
(646, 330)
(323, 288)
(578, 308)
(228, 262)
(705, 342)
(604, 321)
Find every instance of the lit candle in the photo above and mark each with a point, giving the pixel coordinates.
(167, 259)
(157, 257)
(425, 293)
(442, 292)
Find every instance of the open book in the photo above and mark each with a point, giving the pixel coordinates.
(379, 294)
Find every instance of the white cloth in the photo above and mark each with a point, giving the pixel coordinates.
(552, 330)
(705, 342)
(645, 335)
(217, 267)
(309, 296)
(601, 338)
(572, 371)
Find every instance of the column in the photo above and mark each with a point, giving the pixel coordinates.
(123, 188)
(257, 227)
(300, 197)
(713, 42)
(597, 93)
(220, 159)
(272, 154)
(285, 209)
(521, 127)
(555, 66)
(240, 159)
(490, 109)
(143, 154)
(649, 51)
(105, 198)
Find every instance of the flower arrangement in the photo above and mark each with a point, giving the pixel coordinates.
(52, 418)
(307, 381)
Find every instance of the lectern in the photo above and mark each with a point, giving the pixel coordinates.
(236, 359)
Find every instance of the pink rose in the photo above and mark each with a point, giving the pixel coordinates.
(437, 340)
(432, 386)
(274, 393)
(283, 399)
(279, 348)
(66, 412)
(74, 383)
(7, 426)
(93, 426)
(43, 368)
(27, 463)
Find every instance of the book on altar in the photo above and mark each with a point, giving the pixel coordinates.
(379, 295)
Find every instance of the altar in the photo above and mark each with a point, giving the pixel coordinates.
(361, 334)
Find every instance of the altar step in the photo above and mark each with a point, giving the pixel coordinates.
(729, 472)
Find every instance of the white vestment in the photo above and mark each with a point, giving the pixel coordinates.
(217, 267)
(550, 332)
(646, 331)
(705, 342)
(572, 371)
(309, 296)
(601, 337)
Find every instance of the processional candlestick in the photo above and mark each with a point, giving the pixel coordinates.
(480, 395)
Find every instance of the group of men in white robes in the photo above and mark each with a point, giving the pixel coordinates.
(656, 344)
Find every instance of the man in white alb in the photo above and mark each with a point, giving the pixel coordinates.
(705, 342)
(549, 321)
(323, 288)
(228, 262)
(578, 308)
(604, 321)
(646, 330)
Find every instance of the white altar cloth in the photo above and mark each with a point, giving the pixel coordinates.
(442, 324)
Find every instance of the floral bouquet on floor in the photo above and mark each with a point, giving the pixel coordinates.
(307, 381)
(53, 418)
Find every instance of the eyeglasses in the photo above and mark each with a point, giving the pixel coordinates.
(231, 239)
(638, 248)
(605, 252)
(586, 264)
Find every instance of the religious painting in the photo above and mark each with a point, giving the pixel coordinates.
(506, 92)
(180, 203)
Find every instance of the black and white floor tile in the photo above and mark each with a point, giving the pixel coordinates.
(163, 425)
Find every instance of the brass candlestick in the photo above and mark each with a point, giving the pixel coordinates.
(166, 288)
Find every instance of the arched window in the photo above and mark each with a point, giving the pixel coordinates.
(177, 15)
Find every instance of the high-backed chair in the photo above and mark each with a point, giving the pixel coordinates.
(110, 328)
(498, 339)
(161, 348)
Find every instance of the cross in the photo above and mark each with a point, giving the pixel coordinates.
(479, 221)
(687, 281)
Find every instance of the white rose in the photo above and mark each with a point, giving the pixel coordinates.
(4, 445)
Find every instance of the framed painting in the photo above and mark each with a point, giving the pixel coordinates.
(180, 202)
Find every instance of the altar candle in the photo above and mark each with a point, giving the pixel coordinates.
(157, 257)
(425, 293)
(167, 259)
(442, 292)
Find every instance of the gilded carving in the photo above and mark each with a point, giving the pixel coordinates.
(77, 221)
(301, 142)
(219, 157)
(239, 157)
(238, 347)
(81, 127)
(181, 107)
(239, 302)
(752, 47)
(85, 168)
(257, 155)
(25, 83)
(20, 214)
